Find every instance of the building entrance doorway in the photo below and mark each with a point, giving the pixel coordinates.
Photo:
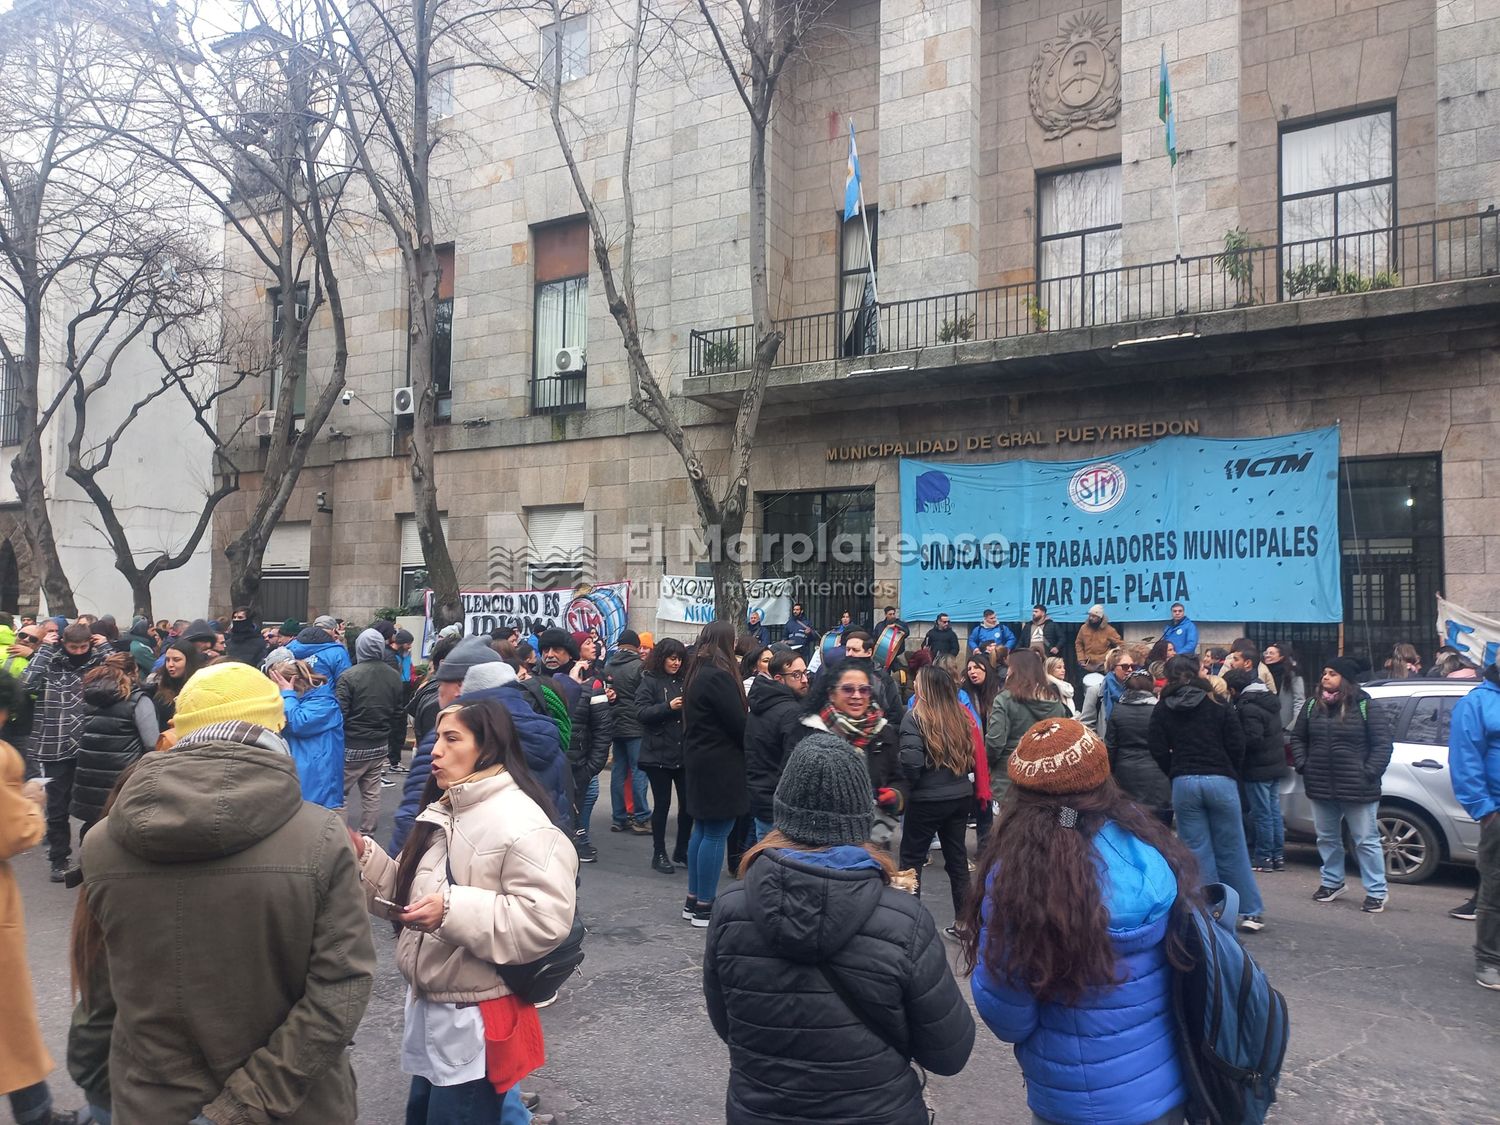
(821, 540)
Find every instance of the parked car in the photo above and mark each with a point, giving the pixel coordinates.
(1421, 822)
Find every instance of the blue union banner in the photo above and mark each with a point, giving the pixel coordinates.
(1235, 530)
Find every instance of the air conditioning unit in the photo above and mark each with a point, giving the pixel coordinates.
(265, 422)
(403, 402)
(568, 359)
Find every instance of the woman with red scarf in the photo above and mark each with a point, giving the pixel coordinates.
(846, 706)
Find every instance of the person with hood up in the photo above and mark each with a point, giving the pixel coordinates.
(658, 706)
(1096, 639)
(13, 660)
(1264, 766)
(1341, 746)
(824, 981)
(314, 731)
(540, 740)
(142, 646)
(370, 695)
(316, 644)
(1084, 993)
(54, 677)
(771, 730)
(119, 725)
(622, 678)
(244, 643)
(1026, 699)
(1474, 765)
(1128, 736)
(204, 634)
(1199, 744)
(24, 1063)
(231, 916)
(449, 679)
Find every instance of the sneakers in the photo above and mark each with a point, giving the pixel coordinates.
(386, 783)
(701, 913)
(399, 768)
(661, 863)
(641, 827)
(59, 870)
(1263, 866)
(1328, 894)
(1465, 913)
(618, 828)
(1252, 923)
(952, 932)
(1373, 905)
(587, 853)
(1279, 863)
(530, 1099)
(688, 908)
(1488, 976)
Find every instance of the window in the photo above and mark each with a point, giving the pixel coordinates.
(562, 289)
(278, 325)
(1078, 245)
(441, 100)
(1338, 201)
(858, 327)
(1429, 720)
(442, 334)
(560, 547)
(414, 562)
(575, 49)
(829, 583)
(10, 403)
(284, 572)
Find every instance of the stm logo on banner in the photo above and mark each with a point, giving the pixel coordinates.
(1097, 488)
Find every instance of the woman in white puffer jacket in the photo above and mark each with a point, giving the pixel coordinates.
(485, 879)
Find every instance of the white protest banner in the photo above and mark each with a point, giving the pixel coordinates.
(690, 599)
(530, 611)
(1476, 637)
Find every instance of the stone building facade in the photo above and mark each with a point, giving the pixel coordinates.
(1326, 252)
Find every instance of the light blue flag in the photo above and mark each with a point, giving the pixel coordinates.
(851, 180)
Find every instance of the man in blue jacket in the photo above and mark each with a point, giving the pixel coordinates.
(1182, 633)
(990, 629)
(799, 633)
(316, 645)
(1474, 767)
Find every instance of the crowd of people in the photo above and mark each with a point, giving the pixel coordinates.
(817, 772)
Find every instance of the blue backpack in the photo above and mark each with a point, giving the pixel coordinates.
(1232, 1026)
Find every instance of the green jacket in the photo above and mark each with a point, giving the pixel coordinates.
(240, 957)
(1010, 718)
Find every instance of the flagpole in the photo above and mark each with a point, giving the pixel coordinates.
(864, 217)
(1176, 212)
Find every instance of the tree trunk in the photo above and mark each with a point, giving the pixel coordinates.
(245, 554)
(140, 595)
(447, 606)
(26, 474)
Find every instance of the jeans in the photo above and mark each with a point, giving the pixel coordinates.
(950, 820)
(628, 760)
(470, 1103)
(1209, 822)
(31, 1103)
(1329, 818)
(586, 812)
(363, 774)
(762, 829)
(1268, 839)
(662, 783)
(59, 797)
(984, 818)
(1487, 901)
(706, 857)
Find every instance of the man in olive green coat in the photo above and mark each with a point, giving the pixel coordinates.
(239, 951)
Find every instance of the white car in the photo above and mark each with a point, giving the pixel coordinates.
(1421, 822)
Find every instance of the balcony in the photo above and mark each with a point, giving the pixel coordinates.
(560, 393)
(1037, 320)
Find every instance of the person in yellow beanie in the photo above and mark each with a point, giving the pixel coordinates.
(201, 846)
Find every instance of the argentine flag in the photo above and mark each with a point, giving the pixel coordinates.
(851, 180)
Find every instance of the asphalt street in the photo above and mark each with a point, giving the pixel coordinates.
(1387, 1023)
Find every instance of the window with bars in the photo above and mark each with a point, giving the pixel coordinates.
(299, 361)
(1078, 245)
(10, 403)
(561, 265)
(1338, 200)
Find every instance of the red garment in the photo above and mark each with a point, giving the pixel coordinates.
(981, 763)
(513, 1045)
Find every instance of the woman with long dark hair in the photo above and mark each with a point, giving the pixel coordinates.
(982, 682)
(1199, 744)
(716, 794)
(485, 879)
(1028, 697)
(939, 744)
(1069, 942)
(658, 708)
(180, 661)
(1291, 684)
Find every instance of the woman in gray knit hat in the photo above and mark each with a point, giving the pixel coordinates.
(825, 982)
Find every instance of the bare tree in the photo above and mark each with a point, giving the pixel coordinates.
(754, 43)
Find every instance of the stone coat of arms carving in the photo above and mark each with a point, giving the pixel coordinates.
(1075, 81)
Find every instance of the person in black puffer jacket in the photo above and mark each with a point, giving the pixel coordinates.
(824, 981)
(1127, 734)
(939, 739)
(658, 708)
(713, 758)
(119, 725)
(1199, 744)
(371, 696)
(1341, 745)
(771, 730)
(1263, 768)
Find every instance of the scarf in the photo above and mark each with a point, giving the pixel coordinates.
(858, 733)
(233, 730)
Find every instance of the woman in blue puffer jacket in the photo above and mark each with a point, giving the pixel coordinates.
(1069, 945)
(314, 730)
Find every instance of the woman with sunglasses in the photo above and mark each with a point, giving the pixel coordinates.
(1102, 696)
(843, 704)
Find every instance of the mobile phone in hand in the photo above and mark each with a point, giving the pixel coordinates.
(389, 905)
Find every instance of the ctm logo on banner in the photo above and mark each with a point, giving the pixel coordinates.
(1235, 530)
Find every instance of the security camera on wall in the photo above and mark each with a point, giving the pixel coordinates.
(347, 397)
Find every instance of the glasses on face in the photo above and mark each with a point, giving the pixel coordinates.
(854, 689)
(794, 675)
(1129, 667)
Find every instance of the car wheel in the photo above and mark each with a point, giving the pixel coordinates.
(1412, 845)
